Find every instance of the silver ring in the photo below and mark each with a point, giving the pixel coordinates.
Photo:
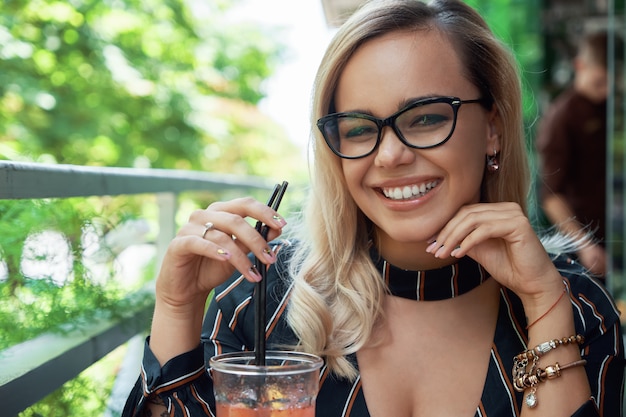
(207, 226)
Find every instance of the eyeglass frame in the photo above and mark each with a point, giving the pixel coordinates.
(390, 121)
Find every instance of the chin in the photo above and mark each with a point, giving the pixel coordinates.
(410, 235)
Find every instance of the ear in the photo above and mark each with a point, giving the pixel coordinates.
(494, 131)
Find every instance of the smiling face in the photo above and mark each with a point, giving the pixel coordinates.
(410, 194)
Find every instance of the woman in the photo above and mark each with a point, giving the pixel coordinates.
(417, 275)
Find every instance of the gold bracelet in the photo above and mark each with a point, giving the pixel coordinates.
(531, 380)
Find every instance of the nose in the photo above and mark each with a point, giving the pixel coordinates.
(391, 151)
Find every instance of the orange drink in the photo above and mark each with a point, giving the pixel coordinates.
(286, 386)
(241, 410)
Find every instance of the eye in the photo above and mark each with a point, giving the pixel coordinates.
(428, 120)
(425, 118)
(357, 130)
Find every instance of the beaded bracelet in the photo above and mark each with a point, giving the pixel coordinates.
(545, 347)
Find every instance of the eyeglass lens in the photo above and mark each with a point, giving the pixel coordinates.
(421, 126)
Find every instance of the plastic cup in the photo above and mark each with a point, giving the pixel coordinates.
(286, 386)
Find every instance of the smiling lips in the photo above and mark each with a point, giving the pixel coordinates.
(409, 191)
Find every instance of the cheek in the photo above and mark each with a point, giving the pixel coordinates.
(468, 146)
(354, 172)
(466, 159)
(466, 171)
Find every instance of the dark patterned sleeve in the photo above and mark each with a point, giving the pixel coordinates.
(183, 385)
(597, 318)
(588, 409)
(228, 323)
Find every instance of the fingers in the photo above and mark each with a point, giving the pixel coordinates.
(223, 233)
(475, 224)
(249, 207)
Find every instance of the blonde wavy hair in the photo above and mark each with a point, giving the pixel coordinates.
(337, 292)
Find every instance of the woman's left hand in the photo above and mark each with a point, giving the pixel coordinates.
(500, 237)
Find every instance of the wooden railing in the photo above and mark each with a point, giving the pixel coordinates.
(33, 369)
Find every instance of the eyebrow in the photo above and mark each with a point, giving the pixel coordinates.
(407, 102)
(401, 104)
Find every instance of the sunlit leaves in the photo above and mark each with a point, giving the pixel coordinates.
(122, 82)
(45, 61)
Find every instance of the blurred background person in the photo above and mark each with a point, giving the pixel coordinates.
(571, 146)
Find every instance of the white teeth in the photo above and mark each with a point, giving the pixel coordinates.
(400, 193)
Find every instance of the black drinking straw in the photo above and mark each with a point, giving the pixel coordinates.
(261, 287)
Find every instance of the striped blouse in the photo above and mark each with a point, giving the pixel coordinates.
(185, 386)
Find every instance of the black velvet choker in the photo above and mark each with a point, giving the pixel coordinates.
(434, 284)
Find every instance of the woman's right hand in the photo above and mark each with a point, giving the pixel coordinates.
(197, 261)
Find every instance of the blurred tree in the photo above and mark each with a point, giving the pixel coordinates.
(135, 83)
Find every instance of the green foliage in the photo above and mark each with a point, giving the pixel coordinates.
(517, 24)
(64, 291)
(130, 83)
(60, 292)
(81, 396)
